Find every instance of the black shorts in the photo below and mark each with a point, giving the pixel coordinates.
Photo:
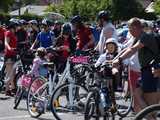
(148, 82)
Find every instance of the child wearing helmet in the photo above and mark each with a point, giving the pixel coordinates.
(38, 69)
(111, 48)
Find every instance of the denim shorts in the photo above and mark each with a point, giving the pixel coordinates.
(149, 83)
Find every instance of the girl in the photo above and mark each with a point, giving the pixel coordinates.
(38, 69)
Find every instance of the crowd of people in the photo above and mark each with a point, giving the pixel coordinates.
(139, 48)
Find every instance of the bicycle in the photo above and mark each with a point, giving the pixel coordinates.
(22, 78)
(70, 97)
(101, 100)
(150, 111)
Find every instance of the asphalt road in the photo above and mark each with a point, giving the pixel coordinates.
(8, 113)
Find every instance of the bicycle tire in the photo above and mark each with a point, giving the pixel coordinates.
(43, 80)
(87, 107)
(54, 95)
(127, 111)
(146, 111)
(18, 97)
(95, 108)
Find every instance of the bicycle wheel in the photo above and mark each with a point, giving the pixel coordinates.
(124, 102)
(68, 101)
(83, 74)
(90, 107)
(36, 97)
(150, 111)
(93, 109)
(18, 96)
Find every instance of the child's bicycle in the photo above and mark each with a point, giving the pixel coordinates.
(103, 100)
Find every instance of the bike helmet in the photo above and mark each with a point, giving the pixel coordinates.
(112, 41)
(22, 22)
(33, 22)
(76, 19)
(103, 15)
(66, 28)
(12, 25)
(46, 22)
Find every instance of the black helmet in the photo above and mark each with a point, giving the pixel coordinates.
(46, 22)
(66, 28)
(22, 22)
(103, 15)
(76, 19)
(12, 25)
(33, 22)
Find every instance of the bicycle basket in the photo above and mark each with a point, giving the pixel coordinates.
(26, 80)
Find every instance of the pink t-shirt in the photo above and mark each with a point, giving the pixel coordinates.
(37, 62)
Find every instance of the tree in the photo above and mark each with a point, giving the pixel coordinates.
(125, 9)
(157, 7)
(120, 9)
(5, 4)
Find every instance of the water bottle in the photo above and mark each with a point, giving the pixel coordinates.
(103, 98)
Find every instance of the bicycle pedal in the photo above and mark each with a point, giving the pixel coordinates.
(113, 109)
(56, 103)
(34, 109)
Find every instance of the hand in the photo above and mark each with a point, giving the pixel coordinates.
(116, 63)
(63, 47)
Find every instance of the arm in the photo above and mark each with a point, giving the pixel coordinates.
(7, 40)
(130, 51)
(91, 42)
(34, 44)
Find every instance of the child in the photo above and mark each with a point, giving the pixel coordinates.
(111, 52)
(38, 69)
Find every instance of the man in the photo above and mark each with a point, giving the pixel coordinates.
(108, 30)
(84, 36)
(46, 37)
(10, 58)
(147, 49)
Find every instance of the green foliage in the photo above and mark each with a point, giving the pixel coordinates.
(120, 9)
(125, 9)
(157, 7)
(5, 5)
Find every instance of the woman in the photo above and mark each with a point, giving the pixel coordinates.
(65, 45)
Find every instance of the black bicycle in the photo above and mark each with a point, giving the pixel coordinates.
(148, 113)
(103, 101)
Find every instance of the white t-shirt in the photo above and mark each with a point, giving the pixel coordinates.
(105, 33)
(133, 60)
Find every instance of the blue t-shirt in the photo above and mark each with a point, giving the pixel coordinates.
(45, 38)
(96, 33)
